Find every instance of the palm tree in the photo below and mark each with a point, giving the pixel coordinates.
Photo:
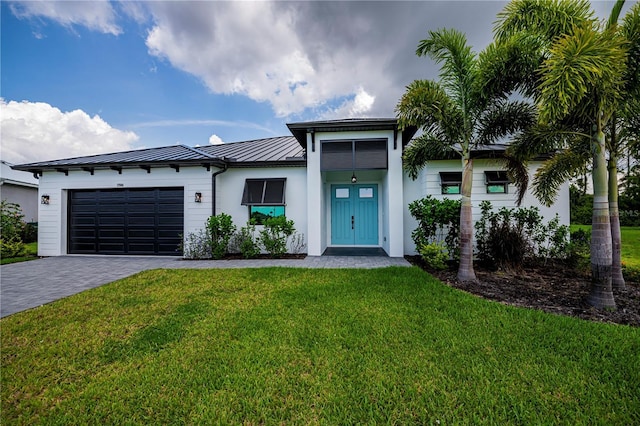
(582, 79)
(456, 115)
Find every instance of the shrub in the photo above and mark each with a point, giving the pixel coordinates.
(438, 222)
(510, 236)
(196, 245)
(275, 235)
(12, 226)
(30, 232)
(434, 255)
(298, 245)
(579, 250)
(220, 229)
(245, 241)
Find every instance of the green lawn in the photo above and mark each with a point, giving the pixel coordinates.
(296, 346)
(630, 244)
(31, 250)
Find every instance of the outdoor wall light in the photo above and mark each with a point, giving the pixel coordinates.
(44, 199)
(198, 198)
(354, 179)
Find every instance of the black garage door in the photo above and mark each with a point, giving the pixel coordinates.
(126, 221)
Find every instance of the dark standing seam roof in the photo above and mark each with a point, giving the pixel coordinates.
(257, 152)
(283, 148)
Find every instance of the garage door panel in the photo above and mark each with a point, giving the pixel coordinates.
(126, 221)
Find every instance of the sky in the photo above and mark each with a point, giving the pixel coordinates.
(89, 77)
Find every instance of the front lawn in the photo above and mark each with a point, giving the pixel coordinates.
(297, 346)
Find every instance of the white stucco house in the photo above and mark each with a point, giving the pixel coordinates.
(340, 181)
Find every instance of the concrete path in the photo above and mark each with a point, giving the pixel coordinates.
(26, 285)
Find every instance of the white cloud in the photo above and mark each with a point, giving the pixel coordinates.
(215, 140)
(97, 15)
(254, 49)
(37, 131)
(357, 106)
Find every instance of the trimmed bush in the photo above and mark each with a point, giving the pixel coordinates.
(275, 235)
(438, 222)
(220, 229)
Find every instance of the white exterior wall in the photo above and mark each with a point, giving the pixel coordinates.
(390, 198)
(428, 183)
(230, 185)
(52, 224)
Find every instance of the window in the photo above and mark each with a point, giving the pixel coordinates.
(497, 182)
(265, 198)
(263, 192)
(450, 182)
(261, 213)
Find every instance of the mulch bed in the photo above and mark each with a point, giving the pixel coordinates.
(552, 288)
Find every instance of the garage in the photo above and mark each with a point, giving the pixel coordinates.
(134, 221)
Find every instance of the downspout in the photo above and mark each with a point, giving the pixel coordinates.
(213, 187)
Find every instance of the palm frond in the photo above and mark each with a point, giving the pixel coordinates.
(428, 146)
(504, 118)
(449, 48)
(425, 104)
(587, 64)
(615, 14)
(557, 170)
(509, 66)
(548, 19)
(631, 32)
(518, 171)
(544, 140)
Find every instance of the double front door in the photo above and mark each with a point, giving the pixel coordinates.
(354, 214)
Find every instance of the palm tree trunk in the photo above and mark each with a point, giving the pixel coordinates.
(617, 280)
(601, 295)
(465, 270)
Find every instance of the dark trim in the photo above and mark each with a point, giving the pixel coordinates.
(117, 169)
(147, 168)
(88, 169)
(213, 188)
(61, 170)
(395, 138)
(176, 167)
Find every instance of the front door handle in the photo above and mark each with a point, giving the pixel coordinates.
(352, 222)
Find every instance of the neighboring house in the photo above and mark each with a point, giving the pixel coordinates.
(19, 188)
(340, 181)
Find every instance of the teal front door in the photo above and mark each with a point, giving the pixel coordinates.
(354, 214)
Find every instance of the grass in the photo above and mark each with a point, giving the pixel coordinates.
(296, 346)
(31, 252)
(630, 250)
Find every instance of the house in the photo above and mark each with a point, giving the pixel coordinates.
(340, 181)
(19, 188)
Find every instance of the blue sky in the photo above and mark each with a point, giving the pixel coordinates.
(80, 78)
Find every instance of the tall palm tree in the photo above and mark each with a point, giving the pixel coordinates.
(456, 115)
(579, 88)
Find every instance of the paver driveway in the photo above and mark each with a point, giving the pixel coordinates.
(30, 284)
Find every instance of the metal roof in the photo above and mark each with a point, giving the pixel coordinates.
(279, 149)
(260, 152)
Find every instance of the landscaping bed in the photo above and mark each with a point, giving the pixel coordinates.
(552, 288)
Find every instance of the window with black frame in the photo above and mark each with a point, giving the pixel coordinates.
(450, 182)
(265, 198)
(497, 182)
